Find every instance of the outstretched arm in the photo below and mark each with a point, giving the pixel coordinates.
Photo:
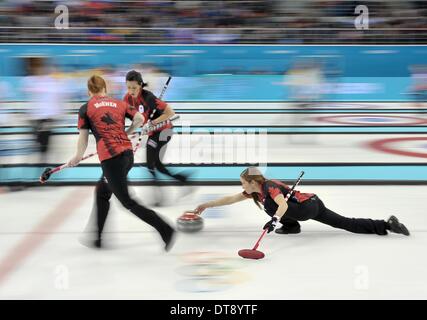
(220, 202)
(81, 148)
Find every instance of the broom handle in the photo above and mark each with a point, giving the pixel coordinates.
(259, 240)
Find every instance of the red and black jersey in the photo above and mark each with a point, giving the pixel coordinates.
(270, 189)
(105, 117)
(149, 105)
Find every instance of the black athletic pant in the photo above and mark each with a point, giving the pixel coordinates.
(114, 180)
(316, 210)
(42, 131)
(156, 147)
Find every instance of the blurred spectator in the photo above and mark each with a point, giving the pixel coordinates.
(304, 81)
(419, 84)
(45, 93)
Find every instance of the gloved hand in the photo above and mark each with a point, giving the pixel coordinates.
(271, 225)
(200, 209)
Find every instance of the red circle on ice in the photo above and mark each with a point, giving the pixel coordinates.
(373, 120)
(386, 145)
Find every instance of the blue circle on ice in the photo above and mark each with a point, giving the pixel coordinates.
(376, 119)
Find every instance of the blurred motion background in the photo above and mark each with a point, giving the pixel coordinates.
(232, 21)
(287, 85)
(295, 68)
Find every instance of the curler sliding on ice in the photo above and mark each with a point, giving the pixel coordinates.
(288, 206)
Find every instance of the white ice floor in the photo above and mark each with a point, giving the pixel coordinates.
(41, 257)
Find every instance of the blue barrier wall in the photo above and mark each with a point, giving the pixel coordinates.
(236, 73)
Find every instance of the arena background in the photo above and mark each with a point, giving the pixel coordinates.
(337, 89)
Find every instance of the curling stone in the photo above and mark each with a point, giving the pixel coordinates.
(190, 222)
